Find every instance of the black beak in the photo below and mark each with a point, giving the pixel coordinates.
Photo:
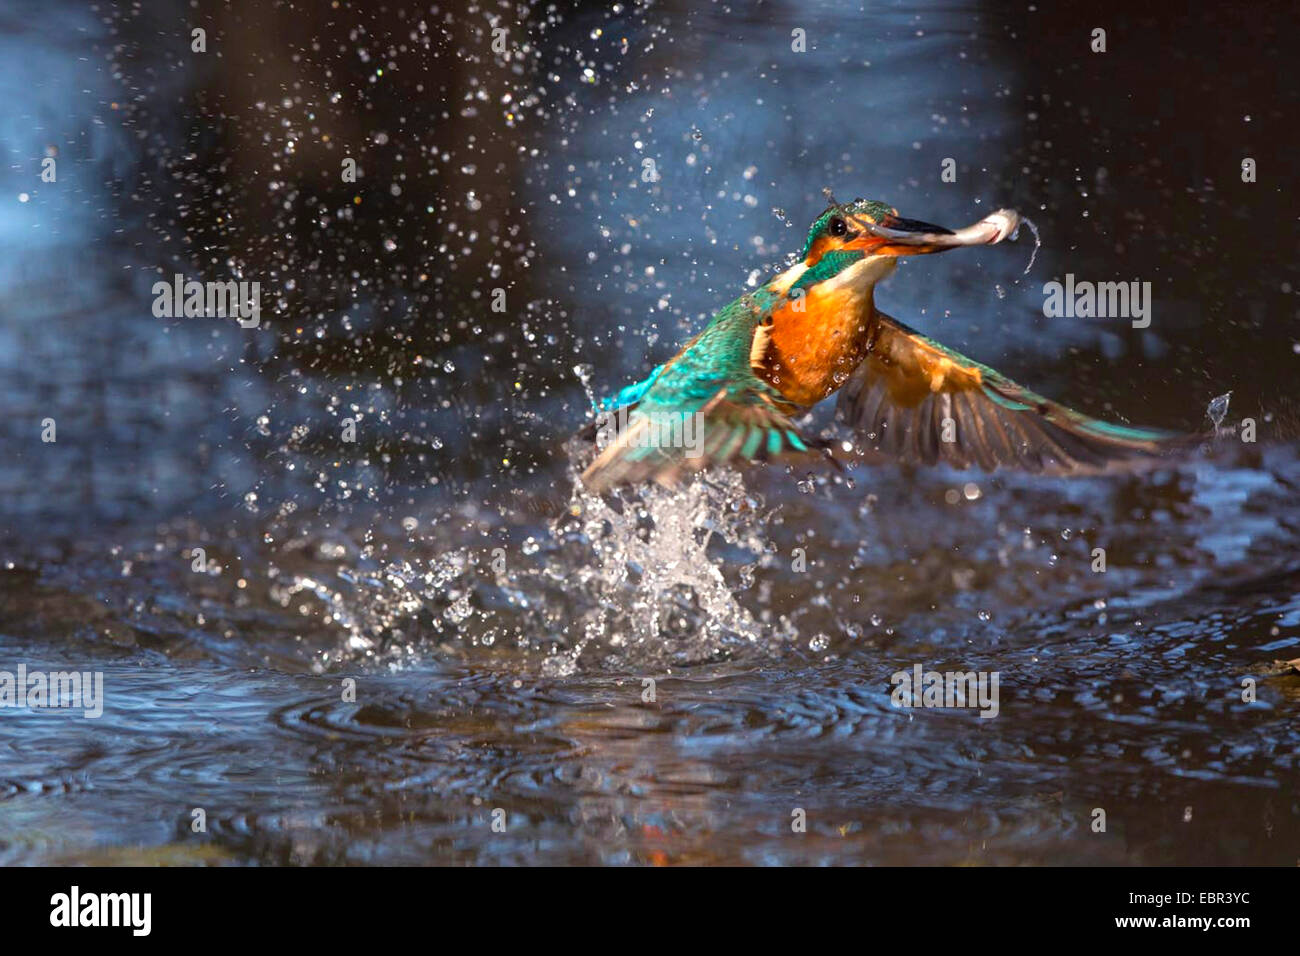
(911, 237)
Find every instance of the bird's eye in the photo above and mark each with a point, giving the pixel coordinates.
(838, 227)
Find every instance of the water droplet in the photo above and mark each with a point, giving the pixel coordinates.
(1218, 409)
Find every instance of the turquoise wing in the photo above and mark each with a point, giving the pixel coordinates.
(704, 407)
(631, 395)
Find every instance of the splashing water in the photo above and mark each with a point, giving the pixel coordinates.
(633, 581)
(656, 589)
(1217, 410)
(1038, 242)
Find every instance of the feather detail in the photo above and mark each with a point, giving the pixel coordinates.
(915, 400)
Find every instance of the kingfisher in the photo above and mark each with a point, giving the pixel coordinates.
(733, 393)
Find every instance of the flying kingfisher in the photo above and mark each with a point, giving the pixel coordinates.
(731, 394)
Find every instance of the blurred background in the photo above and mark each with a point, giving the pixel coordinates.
(521, 170)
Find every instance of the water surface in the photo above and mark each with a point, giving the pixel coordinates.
(501, 627)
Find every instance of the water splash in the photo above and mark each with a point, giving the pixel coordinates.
(656, 590)
(1038, 242)
(585, 373)
(1217, 410)
(647, 578)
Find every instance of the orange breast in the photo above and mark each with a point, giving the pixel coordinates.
(814, 350)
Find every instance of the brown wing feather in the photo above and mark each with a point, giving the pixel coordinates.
(915, 400)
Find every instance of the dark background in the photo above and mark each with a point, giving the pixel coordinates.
(483, 172)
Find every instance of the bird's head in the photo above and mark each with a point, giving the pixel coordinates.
(858, 243)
